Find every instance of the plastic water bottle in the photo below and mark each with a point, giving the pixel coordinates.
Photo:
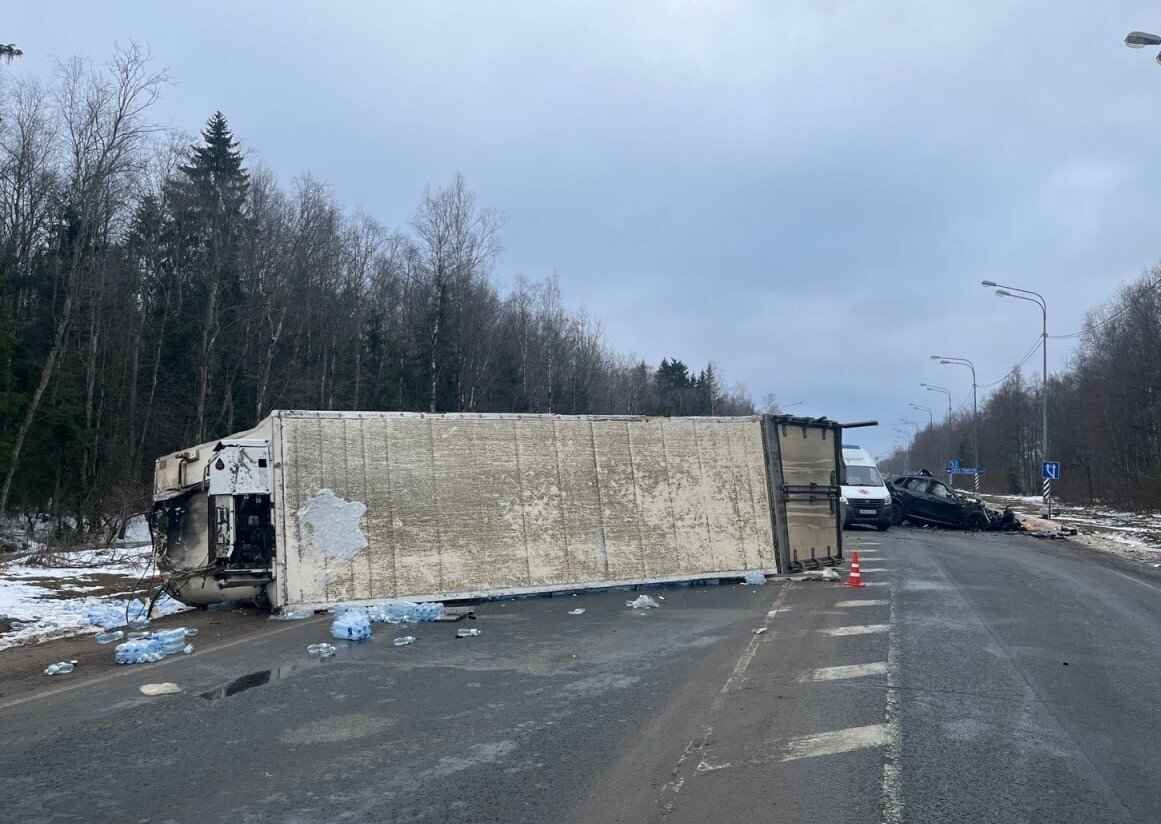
(321, 650)
(351, 626)
(109, 637)
(187, 649)
(468, 633)
(146, 650)
(404, 641)
(140, 636)
(170, 640)
(191, 632)
(60, 668)
(755, 577)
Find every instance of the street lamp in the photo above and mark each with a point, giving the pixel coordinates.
(906, 448)
(930, 414)
(1141, 39)
(1038, 299)
(942, 389)
(944, 360)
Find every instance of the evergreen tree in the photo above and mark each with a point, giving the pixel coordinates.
(207, 202)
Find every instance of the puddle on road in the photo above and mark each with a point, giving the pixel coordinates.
(255, 679)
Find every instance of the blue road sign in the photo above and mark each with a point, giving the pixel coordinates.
(1051, 470)
(952, 466)
(969, 470)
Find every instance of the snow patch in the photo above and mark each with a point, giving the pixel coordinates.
(43, 602)
(329, 525)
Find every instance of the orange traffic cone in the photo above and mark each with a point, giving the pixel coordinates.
(856, 578)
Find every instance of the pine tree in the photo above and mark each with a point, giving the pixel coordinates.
(207, 202)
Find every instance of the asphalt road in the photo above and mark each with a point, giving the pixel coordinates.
(980, 678)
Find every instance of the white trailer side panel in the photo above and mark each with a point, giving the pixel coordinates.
(375, 506)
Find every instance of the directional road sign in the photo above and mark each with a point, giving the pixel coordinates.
(1051, 470)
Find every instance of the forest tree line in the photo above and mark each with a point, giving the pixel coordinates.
(1104, 415)
(158, 294)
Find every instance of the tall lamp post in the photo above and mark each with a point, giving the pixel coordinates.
(1037, 298)
(906, 448)
(942, 389)
(946, 361)
(930, 414)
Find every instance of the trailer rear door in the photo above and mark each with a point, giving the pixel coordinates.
(803, 457)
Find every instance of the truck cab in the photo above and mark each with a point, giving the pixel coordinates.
(868, 501)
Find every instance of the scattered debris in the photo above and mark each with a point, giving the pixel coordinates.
(292, 614)
(164, 688)
(404, 612)
(405, 640)
(468, 633)
(352, 625)
(60, 668)
(755, 577)
(759, 630)
(642, 602)
(321, 650)
(581, 610)
(109, 637)
(828, 574)
(147, 650)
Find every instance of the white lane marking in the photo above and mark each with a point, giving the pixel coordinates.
(858, 629)
(867, 602)
(892, 796)
(845, 671)
(876, 583)
(752, 647)
(670, 789)
(873, 569)
(838, 741)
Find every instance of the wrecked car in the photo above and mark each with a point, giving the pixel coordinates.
(922, 499)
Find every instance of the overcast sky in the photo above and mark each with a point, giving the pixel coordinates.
(806, 192)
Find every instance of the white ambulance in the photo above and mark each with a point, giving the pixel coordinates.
(867, 499)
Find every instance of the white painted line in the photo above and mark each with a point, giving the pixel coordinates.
(859, 629)
(876, 583)
(873, 569)
(847, 671)
(752, 648)
(833, 743)
(868, 602)
(891, 802)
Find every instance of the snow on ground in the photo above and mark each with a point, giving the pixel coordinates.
(1134, 535)
(45, 596)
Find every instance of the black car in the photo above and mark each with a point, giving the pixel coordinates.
(923, 499)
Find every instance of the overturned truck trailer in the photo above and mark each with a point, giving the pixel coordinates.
(318, 508)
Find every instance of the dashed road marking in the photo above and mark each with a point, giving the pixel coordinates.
(838, 741)
(866, 602)
(873, 569)
(846, 671)
(858, 629)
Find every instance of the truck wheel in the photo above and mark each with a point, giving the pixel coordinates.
(896, 516)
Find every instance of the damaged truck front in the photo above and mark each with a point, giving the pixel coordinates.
(212, 520)
(319, 508)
